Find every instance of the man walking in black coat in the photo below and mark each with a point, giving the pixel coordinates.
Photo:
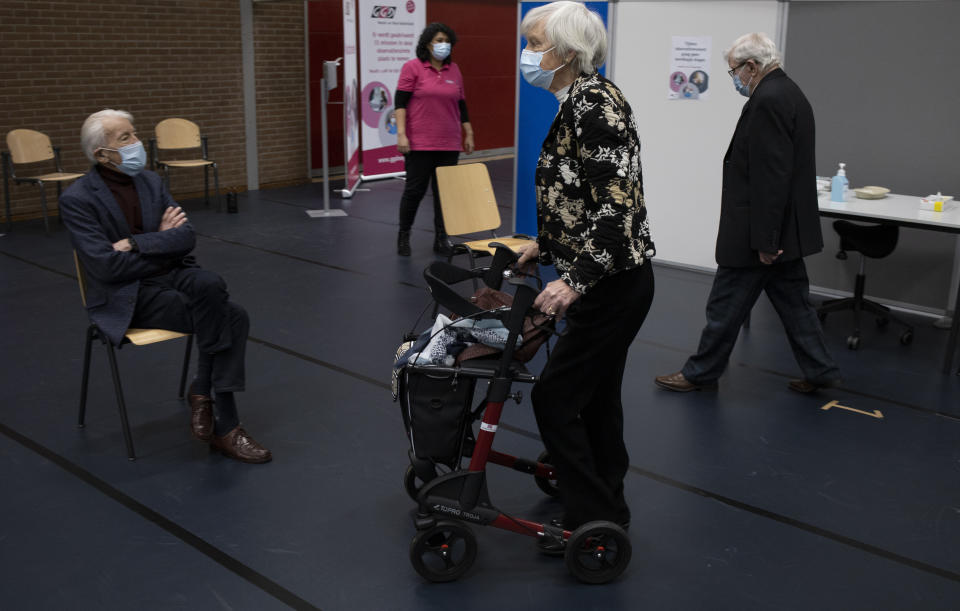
(135, 242)
(769, 221)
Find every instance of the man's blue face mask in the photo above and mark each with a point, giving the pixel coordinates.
(133, 158)
(738, 84)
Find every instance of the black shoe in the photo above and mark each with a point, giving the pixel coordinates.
(442, 245)
(403, 243)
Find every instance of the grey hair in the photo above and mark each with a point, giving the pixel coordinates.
(571, 26)
(92, 134)
(756, 46)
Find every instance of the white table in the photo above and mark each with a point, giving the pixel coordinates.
(902, 210)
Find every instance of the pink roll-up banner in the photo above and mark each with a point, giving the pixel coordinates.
(389, 30)
(351, 120)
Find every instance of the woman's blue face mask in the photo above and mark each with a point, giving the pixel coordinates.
(441, 50)
(531, 70)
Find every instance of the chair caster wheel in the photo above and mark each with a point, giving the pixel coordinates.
(907, 338)
(853, 342)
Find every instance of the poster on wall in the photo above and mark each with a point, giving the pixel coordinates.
(689, 68)
(389, 30)
(351, 123)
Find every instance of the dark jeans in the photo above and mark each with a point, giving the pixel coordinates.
(577, 399)
(194, 300)
(420, 167)
(735, 290)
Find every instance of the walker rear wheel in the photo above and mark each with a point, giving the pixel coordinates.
(443, 552)
(546, 484)
(598, 552)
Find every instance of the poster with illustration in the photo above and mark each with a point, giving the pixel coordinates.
(388, 38)
(689, 77)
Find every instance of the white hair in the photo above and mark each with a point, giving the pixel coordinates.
(756, 46)
(570, 26)
(92, 134)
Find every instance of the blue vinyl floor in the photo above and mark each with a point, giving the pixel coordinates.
(752, 497)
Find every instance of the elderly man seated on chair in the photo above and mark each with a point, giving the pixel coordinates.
(135, 244)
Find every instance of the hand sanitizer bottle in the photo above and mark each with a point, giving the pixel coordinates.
(839, 185)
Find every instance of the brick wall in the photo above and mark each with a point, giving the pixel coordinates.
(63, 60)
(281, 92)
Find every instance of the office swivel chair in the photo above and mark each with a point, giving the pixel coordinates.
(876, 242)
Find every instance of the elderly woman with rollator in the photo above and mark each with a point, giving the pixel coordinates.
(592, 226)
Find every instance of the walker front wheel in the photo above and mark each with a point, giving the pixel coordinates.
(443, 552)
(598, 552)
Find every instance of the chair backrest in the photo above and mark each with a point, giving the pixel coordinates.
(177, 134)
(467, 200)
(81, 278)
(29, 146)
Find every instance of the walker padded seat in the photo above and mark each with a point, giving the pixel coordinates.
(876, 242)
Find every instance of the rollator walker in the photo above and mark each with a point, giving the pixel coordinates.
(436, 405)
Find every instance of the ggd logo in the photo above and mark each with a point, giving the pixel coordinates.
(384, 12)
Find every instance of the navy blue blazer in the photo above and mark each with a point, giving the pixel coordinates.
(95, 221)
(769, 199)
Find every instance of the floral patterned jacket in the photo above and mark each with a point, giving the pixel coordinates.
(591, 217)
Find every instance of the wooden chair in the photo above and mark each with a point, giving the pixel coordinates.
(29, 146)
(469, 206)
(180, 135)
(137, 337)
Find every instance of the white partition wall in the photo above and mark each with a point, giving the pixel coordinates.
(683, 141)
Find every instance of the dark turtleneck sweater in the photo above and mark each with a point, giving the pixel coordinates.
(125, 193)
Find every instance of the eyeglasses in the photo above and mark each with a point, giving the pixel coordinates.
(733, 70)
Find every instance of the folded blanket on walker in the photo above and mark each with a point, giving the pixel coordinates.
(441, 344)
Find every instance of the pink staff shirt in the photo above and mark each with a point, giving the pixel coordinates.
(433, 113)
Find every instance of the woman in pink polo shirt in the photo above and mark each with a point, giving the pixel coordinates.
(432, 126)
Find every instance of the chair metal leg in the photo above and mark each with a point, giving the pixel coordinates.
(59, 193)
(84, 382)
(121, 405)
(216, 186)
(6, 189)
(206, 186)
(43, 206)
(186, 365)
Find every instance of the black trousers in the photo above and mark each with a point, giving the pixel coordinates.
(195, 300)
(577, 399)
(734, 291)
(421, 171)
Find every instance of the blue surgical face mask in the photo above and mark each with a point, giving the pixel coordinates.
(133, 158)
(744, 90)
(531, 70)
(441, 50)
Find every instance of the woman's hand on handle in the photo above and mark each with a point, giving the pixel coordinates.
(555, 298)
(529, 253)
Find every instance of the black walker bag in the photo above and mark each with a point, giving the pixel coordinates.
(437, 412)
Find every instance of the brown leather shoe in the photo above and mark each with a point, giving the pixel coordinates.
(201, 416)
(677, 383)
(238, 445)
